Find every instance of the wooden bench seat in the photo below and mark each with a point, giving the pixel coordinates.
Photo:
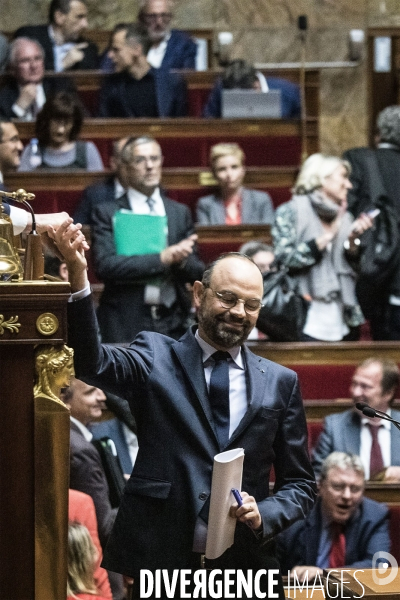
(57, 191)
(186, 142)
(324, 368)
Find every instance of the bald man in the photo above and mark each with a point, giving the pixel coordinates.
(184, 421)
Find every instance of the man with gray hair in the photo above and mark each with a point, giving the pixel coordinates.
(26, 88)
(136, 89)
(344, 529)
(376, 172)
(170, 48)
(146, 291)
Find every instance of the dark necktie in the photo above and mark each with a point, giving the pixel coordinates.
(219, 395)
(151, 202)
(376, 461)
(337, 554)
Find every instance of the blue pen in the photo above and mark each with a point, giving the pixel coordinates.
(237, 496)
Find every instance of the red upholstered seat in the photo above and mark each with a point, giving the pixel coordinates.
(193, 151)
(324, 381)
(314, 429)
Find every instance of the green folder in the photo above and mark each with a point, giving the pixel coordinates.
(139, 234)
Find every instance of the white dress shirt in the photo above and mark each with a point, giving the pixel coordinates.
(59, 50)
(237, 409)
(139, 205)
(156, 54)
(84, 430)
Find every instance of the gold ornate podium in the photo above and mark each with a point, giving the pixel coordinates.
(34, 447)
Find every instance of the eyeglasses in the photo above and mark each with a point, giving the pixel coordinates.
(151, 17)
(229, 300)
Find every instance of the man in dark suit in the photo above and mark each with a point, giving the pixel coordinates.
(374, 382)
(171, 387)
(137, 89)
(171, 48)
(109, 190)
(86, 404)
(344, 529)
(25, 91)
(374, 169)
(145, 291)
(61, 38)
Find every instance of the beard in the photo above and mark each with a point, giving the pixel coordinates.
(218, 327)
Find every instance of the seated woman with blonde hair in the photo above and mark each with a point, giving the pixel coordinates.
(316, 238)
(233, 204)
(82, 556)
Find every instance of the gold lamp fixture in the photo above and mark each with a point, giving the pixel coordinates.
(10, 265)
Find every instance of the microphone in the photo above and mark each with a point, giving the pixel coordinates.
(368, 411)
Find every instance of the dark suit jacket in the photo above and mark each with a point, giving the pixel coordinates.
(342, 432)
(171, 95)
(87, 475)
(181, 51)
(256, 208)
(291, 105)
(9, 92)
(164, 382)
(112, 428)
(366, 532)
(122, 312)
(388, 159)
(41, 34)
(94, 195)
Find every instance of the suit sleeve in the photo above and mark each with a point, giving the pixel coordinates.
(357, 197)
(323, 448)
(87, 475)
(295, 489)
(267, 209)
(189, 55)
(376, 537)
(202, 212)
(90, 58)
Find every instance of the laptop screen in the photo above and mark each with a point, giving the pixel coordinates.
(243, 104)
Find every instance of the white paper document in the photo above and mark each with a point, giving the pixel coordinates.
(227, 474)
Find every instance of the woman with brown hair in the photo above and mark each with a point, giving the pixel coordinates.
(56, 144)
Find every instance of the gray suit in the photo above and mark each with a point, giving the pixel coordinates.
(342, 432)
(256, 208)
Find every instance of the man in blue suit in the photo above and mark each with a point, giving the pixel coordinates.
(375, 382)
(170, 386)
(314, 544)
(137, 89)
(171, 48)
